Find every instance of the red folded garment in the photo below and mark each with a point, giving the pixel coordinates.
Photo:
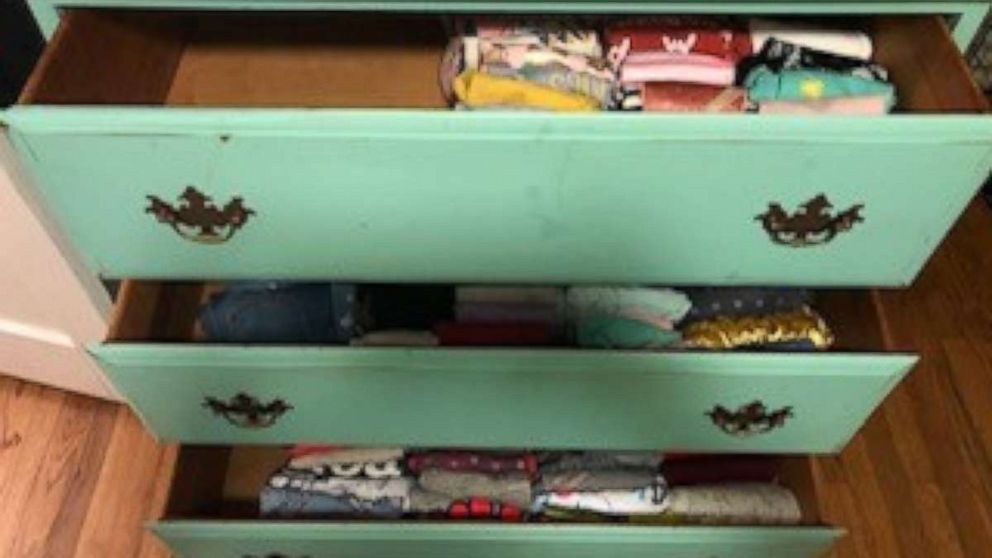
(475, 462)
(720, 469)
(488, 334)
(484, 508)
(683, 36)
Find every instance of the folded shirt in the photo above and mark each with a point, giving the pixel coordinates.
(427, 502)
(559, 33)
(656, 306)
(476, 462)
(512, 488)
(693, 97)
(853, 44)
(780, 55)
(652, 66)
(561, 78)
(714, 302)
(682, 35)
(583, 481)
(600, 460)
(645, 500)
(735, 504)
(475, 89)
(764, 84)
(293, 503)
(850, 106)
(358, 495)
(618, 332)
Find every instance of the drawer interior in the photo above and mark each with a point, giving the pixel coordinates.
(167, 312)
(223, 482)
(360, 60)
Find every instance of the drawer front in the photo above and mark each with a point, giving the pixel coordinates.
(379, 195)
(731, 402)
(190, 539)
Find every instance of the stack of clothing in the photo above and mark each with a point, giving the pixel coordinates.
(272, 312)
(754, 318)
(591, 486)
(807, 70)
(543, 65)
(679, 64)
(472, 484)
(321, 481)
(505, 316)
(625, 317)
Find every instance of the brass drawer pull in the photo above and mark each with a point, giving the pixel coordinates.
(753, 418)
(197, 219)
(812, 224)
(245, 411)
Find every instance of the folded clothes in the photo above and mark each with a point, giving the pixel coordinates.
(780, 55)
(853, 44)
(713, 302)
(291, 488)
(618, 332)
(296, 504)
(396, 338)
(692, 97)
(316, 457)
(651, 66)
(729, 333)
(560, 78)
(764, 84)
(506, 312)
(260, 312)
(427, 502)
(592, 480)
(511, 488)
(477, 462)
(559, 33)
(735, 504)
(518, 57)
(682, 35)
(873, 105)
(645, 500)
(600, 460)
(493, 334)
(660, 307)
(522, 295)
(475, 89)
(714, 469)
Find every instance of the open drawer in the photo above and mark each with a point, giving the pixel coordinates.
(213, 513)
(192, 144)
(211, 393)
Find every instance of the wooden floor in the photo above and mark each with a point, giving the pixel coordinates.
(79, 477)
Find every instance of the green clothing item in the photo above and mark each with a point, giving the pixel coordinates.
(764, 84)
(608, 332)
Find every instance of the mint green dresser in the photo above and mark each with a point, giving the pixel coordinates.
(207, 140)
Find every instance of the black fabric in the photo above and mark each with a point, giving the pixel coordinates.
(20, 46)
(779, 55)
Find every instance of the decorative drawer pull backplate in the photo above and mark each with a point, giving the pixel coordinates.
(196, 218)
(813, 223)
(245, 411)
(753, 418)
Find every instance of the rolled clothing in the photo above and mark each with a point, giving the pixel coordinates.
(780, 55)
(693, 97)
(559, 77)
(714, 302)
(645, 67)
(850, 43)
(747, 331)
(559, 33)
(657, 306)
(512, 488)
(764, 84)
(600, 460)
(355, 495)
(583, 481)
(474, 462)
(645, 500)
(735, 504)
(476, 89)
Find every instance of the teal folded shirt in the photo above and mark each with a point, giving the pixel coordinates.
(763, 84)
(610, 332)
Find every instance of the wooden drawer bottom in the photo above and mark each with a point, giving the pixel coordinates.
(212, 513)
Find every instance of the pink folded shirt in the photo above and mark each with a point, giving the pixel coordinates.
(645, 67)
(863, 106)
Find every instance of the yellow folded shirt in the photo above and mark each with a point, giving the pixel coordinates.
(476, 89)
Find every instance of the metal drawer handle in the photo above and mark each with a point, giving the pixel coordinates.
(753, 418)
(197, 219)
(812, 224)
(245, 411)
